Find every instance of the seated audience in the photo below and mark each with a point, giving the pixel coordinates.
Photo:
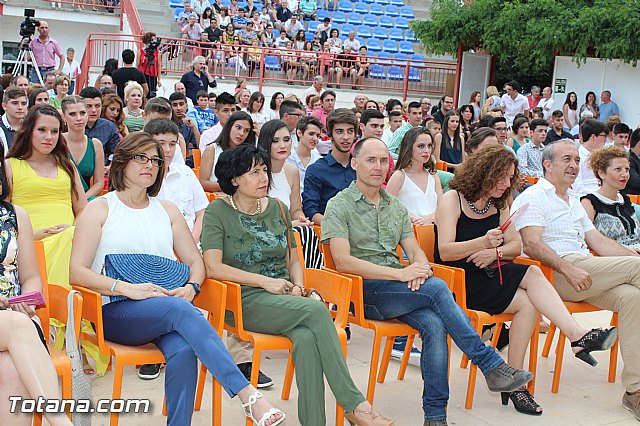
(530, 154)
(633, 185)
(130, 219)
(593, 134)
(468, 237)
(305, 154)
(113, 110)
(273, 283)
(36, 97)
(520, 131)
(448, 144)
(225, 105)
(134, 97)
(97, 127)
(557, 130)
(14, 104)
(363, 242)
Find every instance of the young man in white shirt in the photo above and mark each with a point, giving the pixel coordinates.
(513, 103)
(308, 130)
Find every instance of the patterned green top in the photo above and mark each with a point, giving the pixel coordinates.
(373, 233)
(253, 243)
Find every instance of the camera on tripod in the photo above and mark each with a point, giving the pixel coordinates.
(29, 25)
(151, 48)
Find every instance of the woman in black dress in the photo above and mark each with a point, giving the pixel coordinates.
(468, 218)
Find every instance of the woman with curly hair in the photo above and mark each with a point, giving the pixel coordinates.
(468, 236)
(113, 110)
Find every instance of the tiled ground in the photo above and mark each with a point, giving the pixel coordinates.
(585, 396)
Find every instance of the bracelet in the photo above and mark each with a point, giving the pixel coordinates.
(300, 287)
(113, 287)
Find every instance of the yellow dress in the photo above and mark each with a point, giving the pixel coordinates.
(48, 203)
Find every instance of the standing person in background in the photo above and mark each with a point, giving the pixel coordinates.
(128, 73)
(492, 103)
(151, 71)
(71, 69)
(475, 101)
(45, 49)
(570, 110)
(534, 97)
(513, 103)
(546, 102)
(591, 105)
(197, 79)
(607, 106)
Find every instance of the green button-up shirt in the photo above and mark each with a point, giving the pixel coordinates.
(396, 139)
(373, 232)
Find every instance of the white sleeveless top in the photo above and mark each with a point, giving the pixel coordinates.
(418, 203)
(280, 188)
(217, 150)
(127, 230)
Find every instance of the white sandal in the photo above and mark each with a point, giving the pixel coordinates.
(246, 408)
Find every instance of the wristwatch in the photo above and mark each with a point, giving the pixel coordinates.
(196, 286)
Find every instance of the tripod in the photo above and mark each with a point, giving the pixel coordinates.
(22, 64)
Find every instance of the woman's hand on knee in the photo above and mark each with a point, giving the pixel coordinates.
(187, 293)
(277, 286)
(142, 291)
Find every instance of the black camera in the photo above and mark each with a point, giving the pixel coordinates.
(29, 25)
(151, 48)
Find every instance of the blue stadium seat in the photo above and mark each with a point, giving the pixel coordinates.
(400, 59)
(407, 12)
(177, 12)
(409, 36)
(418, 58)
(406, 47)
(389, 46)
(272, 63)
(385, 21)
(354, 18)
(376, 9)
(309, 35)
(396, 34)
(384, 58)
(339, 17)
(370, 19)
(364, 31)
(414, 74)
(377, 71)
(391, 11)
(380, 32)
(225, 3)
(322, 14)
(397, 2)
(242, 4)
(373, 44)
(345, 6)
(346, 29)
(176, 3)
(368, 1)
(361, 8)
(382, 2)
(402, 23)
(394, 73)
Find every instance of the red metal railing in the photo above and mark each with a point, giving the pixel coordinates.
(135, 23)
(406, 78)
(95, 5)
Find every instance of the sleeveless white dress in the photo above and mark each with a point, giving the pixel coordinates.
(417, 202)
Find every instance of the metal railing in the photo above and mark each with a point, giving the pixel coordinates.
(259, 65)
(110, 6)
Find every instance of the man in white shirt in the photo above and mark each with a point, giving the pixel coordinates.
(546, 102)
(593, 134)
(513, 103)
(556, 230)
(305, 154)
(225, 106)
(315, 88)
(352, 42)
(292, 26)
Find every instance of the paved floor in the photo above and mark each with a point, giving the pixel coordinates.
(585, 396)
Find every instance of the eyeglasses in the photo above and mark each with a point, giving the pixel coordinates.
(297, 114)
(143, 159)
(500, 129)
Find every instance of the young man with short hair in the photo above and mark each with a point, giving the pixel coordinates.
(290, 113)
(530, 154)
(161, 108)
(593, 134)
(14, 103)
(328, 103)
(128, 72)
(621, 133)
(332, 173)
(305, 154)
(557, 130)
(186, 125)
(395, 122)
(104, 130)
(225, 106)
(415, 115)
(446, 105)
(513, 103)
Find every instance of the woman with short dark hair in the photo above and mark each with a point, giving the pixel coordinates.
(247, 238)
(130, 219)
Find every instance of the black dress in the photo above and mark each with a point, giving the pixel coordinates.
(484, 293)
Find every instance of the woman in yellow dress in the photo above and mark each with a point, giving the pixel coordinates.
(47, 185)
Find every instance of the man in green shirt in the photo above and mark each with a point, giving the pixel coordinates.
(415, 115)
(363, 225)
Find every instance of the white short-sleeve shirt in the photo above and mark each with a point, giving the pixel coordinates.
(181, 186)
(209, 136)
(586, 181)
(564, 224)
(512, 107)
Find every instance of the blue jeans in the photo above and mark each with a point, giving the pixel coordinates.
(432, 311)
(183, 335)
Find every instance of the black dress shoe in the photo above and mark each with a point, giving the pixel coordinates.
(149, 371)
(264, 381)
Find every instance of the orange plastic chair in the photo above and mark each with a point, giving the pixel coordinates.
(197, 157)
(574, 308)
(333, 288)
(635, 199)
(212, 298)
(531, 180)
(122, 355)
(425, 234)
(196, 171)
(389, 329)
(211, 196)
(441, 165)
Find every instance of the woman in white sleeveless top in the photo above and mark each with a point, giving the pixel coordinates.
(275, 138)
(129, 219)
(415, 181)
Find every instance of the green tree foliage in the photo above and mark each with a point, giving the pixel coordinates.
(525, 35)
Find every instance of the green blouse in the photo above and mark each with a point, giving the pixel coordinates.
(134, 124)
(253, 243)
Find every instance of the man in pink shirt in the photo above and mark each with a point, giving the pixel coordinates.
(328, 102)
(45, 49)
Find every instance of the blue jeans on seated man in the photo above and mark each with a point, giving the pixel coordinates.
(183, 335)
(432, 311)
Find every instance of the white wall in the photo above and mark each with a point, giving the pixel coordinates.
(623, 80)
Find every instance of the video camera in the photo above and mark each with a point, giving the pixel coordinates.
(29, 25)
(151, 48)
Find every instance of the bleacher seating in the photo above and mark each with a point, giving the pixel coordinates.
(376, 9)
(407, 12)
(405, 47)
(364, 31)
(361, 8)
(344, 6)
(370, 19)
(402, 23)
(354, 18)
(271, 63)
(396, 34)
(373, 44)
(380, 32)
(176, 3)
(394, 72)
(392, 11)
(386, 21)
(339, 17)
(345, 29)
(389, 46)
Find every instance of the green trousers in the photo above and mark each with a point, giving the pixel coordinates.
(316, 348)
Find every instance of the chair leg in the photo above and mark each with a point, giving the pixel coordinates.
(255, 369)
(339, 414)
(117, 389)
(288, 378)
(533, 357)
(202, 376)
(496, 334)
(216, 403)
(406, 356)
(557, 370)
(473, 372)
(37, 419)
(613, 357)
(549, 339)
(386, 358)
(375, 354)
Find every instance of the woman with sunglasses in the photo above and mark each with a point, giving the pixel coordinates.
(468, 236)
(130, 219)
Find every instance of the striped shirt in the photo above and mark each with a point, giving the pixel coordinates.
(564, 224)
(530, 159)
